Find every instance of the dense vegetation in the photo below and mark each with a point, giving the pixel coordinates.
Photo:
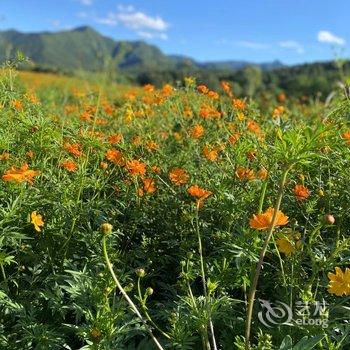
(85, 50)
(191, 202)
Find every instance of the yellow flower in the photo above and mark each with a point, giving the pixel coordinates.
(339, 282)
(36, 220)
(288, 243)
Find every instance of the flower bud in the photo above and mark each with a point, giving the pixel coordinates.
(149, 291)
(106, 228)
(320, 192)
(329, 219)
(140, 273)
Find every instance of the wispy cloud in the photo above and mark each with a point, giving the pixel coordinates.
(325, 36)
(292, 45)
(82, 14)
(85, 2)
(55, 23)
(109, 20)
(144, 25)
(149, 35)
(252, 45)
(126, 8)
(139, 20)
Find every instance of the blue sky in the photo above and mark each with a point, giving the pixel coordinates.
(293, 31)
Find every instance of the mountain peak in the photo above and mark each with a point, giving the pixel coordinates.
(84, 29)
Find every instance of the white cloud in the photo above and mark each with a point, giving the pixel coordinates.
(293, 45)
(139, 20)
(55, 22)
(109, 20)
(126, 8)
(252, 45)
(82, 14)
(149, 35)
(324, 36)
(85, 2)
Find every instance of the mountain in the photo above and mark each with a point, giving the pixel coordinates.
(84, 48)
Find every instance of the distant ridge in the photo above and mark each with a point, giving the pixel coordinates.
(85, 48)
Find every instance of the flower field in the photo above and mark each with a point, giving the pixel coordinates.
(171, 218)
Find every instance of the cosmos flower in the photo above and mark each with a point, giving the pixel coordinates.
(339, 282)
(178, 176)
(263, 221)
(23, 174)
(69, 165)
(301, 192)
(197, 131)
(36, 220)
(136, 167)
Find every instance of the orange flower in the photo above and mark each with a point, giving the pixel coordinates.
(301, 192)
(226, 87)
(86, 116)
(210, 154)
(214, 95)
(23, 174)
(238, 104)
(73, 149)
(234, 138)
(4, 156)
(346, 136)
(245, 173)
(262, 173)
(149, 88)
(136, 140)
(17, 104)
(197, 131)
(202, 89)
(116, 138)
(264, 221)
(136, 167)
(103, 165)
(253, 127)
(167, 90)
(149, 185)
(207, 112)
(278, 111)
(69, 165)
(152, 146)
(156, 169)
(281, 97)
(115, 156)
(30, 154)
(178, 176)
(198, 192)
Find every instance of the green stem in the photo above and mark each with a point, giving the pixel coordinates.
(144, 309)
(200, 251)
(254, 285)
(126, 296)
(4, 276)
(262, 196)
